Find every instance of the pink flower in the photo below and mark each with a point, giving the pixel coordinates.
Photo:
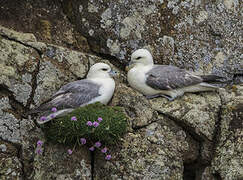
(89, 123)
(53, 116)
(54, 109)
(39, 151)
(96, 124)
(100, 119)
(70, 151)
(92, 148)
(43, 118)
(97, 144)
(104, 150)
(73, 118)
(83, 140)
(108, 157)
(39, 143)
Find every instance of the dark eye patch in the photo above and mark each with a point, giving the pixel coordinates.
(104, 69)
(139, 57)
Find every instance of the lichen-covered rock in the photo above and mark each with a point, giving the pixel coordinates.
(34, 17)
(11, 167)
(154, 152)
(135, 104)
(198, 35)
(228, 160)
(30, 72)
(56, 163)
(11, 128)
(166, 140)
(197, 112)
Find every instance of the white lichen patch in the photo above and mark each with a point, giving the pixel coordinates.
(219, 58)
(149, 10)
(80, 8)
(106, 18)
(91, 32)
(113, 46)
(203, 15)
(231, 4)
(133, 24)
(3, 147)
(92, 8)
(22, 89)
(48, 80)
(9, 125)
(169, 41)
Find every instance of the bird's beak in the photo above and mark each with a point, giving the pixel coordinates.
(129, 66)
(113, 73)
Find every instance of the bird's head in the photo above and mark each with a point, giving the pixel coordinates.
(101, 70)
(141, 57)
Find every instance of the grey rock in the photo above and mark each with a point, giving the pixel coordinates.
(9, 124)
(11, 167)
(30, 72)
(3, 147)
(56, 163)
(197, 35)
(17, 36)
(229, 153)
(164, 138)
(148, 153)
(135, 104)
(199, 113)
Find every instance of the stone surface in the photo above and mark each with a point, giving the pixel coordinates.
(135, 104)
(11, 167)
(198, 35)
(154, 152)
(44, 19)
(229, 152)
(197, 136)
(30, 72)
(56, 163)
(197, 112)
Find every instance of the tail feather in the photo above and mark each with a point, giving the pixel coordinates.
(211, 78)
(207, 86)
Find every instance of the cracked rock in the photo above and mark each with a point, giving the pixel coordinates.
(197, 35)
(198, 113)
(228, 160)
(56, 163)
(154, 152)
(135, 104)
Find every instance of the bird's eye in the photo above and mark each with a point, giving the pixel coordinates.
(104, 69)
(138, 57)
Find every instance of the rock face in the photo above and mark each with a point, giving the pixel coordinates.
(197, 136)
(229, 153)
(199, 35)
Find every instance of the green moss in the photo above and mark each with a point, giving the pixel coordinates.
(64, 130)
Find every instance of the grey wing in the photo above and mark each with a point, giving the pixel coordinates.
(71, 95)
(164, 77)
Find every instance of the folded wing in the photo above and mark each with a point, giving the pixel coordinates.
(71, 95)
(164, 77)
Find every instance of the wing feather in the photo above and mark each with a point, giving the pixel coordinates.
(164, 77)
(71, 95)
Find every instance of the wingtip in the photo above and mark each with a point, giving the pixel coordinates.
(212, 78)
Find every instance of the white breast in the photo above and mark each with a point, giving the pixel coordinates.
(137, 79)
(107, 87)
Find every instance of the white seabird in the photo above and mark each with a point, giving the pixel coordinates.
(98, 87)
(164, 80)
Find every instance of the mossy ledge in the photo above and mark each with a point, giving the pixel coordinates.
(111, 128)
